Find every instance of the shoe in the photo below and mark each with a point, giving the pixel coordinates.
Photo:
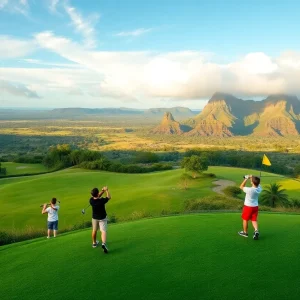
(95, 245)
(48, 237)
(104, 247)
(242, 233)
(256, 235)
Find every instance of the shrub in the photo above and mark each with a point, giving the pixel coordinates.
(112, 219)
(232, 191)
(213, 203)
(136, 215)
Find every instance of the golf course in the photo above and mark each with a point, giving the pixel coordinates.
(180, 256)
(197, 256)
(133, 195)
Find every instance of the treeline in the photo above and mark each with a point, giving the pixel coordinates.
(62, 156)
(242, 160)
(2, 171)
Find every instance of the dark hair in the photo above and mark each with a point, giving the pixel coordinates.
(95, 192)
(53, 200)
(256, 180)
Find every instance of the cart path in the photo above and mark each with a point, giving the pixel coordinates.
(222, 184)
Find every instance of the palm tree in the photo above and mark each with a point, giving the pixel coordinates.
(274, 194)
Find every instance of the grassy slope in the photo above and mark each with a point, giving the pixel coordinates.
(235, 174)
(20, 168)
(149, 193)
(184, 257)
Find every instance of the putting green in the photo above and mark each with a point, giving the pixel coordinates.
(22, 168)
(183, 257)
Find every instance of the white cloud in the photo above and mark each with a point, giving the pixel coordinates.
(181, 75)
(15, 6)
(17, 89)
(134, 33)
(150, 76)
(53, 5)
(11, 47)
(84, 27)
(3, 3)
(52, 64)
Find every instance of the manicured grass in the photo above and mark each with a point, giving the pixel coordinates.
(21, 168)
(133, 195)
(236, 174)
(183, 257)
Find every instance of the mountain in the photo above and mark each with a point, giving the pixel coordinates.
(168, 126)
(279, 117)
(210, 127)
(225, 115)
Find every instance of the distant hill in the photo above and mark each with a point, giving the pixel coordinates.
(225, 115)
(169, 126)
(155, 114)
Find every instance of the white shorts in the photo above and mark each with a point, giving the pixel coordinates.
(99, 223)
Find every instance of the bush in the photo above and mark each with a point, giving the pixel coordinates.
(146, 157)
(294, 202)
(136, 215)
(232, 191)
(213, 203)
(112, 219)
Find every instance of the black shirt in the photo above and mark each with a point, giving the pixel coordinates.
(98, 206)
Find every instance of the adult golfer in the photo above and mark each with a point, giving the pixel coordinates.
(99, 219)
(250, 209)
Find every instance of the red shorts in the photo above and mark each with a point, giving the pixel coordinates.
(250, 213)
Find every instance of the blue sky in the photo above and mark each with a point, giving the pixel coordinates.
(110, 53)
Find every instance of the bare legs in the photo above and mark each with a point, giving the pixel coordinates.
(94, 236)
(245, 225)
(255, 225)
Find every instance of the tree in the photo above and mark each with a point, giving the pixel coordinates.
(195, 164)
(2, 170)
(232, 191)
(274, 194)
(297, 170)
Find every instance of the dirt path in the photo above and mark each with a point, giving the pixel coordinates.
(222, 184)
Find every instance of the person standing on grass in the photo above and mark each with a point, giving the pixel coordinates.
(250, 210)
(99, 219)
(52, 212)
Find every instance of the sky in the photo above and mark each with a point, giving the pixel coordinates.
(143, 54)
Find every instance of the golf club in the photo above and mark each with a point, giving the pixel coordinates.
(83, 211)
(48, 204)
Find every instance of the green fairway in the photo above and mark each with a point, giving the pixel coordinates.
(236, 174)
(183, 257)
(21, 168)
(133, 195)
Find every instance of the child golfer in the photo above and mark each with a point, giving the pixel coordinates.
(99, 219)
(250, 210)
(52, 212)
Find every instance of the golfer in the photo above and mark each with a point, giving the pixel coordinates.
(99, 219)
(52, 211)
(250, 210)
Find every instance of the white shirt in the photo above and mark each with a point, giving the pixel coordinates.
(52, 213)
(251, 198)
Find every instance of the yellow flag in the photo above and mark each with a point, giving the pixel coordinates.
(266, 161)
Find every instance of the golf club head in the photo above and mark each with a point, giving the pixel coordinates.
(83, 211)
